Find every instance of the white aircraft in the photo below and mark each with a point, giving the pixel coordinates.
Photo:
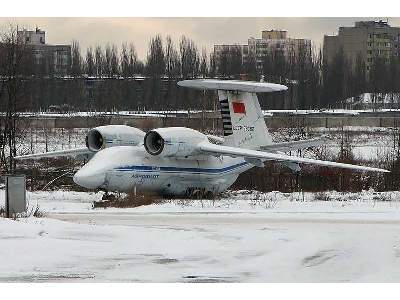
(183, 161)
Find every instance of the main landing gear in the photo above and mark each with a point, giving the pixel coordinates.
(108, 196)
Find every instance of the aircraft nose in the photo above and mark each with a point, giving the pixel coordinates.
(89, 180)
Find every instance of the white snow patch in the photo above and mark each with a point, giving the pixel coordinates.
(249, 237)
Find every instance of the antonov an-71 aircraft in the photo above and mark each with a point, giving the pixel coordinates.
(183, 161)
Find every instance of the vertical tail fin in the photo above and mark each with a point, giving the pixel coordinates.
(243, 121)
(242, 117)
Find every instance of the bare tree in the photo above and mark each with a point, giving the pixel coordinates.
(213, 66)
(203, 63)
(155, 58)
(15, 58)
(189, 56)
(76, 60)
(125, 66)
(90, 62)
(114, 61)
(99, 61)
(171, 59)
(107, 61)
(135, 65)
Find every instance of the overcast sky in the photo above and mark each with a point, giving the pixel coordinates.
(204, 31)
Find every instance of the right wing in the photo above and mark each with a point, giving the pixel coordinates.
(77, 152)
(257, 157)
(295, 145)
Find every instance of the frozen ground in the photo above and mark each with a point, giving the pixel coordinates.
(266, 238)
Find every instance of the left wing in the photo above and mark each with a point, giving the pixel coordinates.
(69, 152)
(257, 157)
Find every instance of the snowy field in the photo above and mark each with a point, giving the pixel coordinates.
(270, 237)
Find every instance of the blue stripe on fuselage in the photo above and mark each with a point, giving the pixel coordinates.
(180, 169)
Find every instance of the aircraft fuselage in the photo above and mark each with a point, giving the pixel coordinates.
(125, 168)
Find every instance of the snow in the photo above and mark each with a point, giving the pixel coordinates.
(247, 237)
(368, 98)
(141, 113)
(313, 111)
(180, 112)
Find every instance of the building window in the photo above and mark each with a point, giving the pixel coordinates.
(369, 51)
(41, 40)
(367, 68)
(27, 39)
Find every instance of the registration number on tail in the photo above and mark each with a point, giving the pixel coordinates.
(243, 128)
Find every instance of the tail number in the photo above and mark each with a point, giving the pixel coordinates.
(243, 128)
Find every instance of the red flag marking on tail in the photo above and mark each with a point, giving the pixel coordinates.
(238, 108)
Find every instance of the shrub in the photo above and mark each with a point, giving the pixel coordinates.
(130, 200)
(36, 212)
(322, 196)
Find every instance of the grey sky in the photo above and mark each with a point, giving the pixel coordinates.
(204, 31)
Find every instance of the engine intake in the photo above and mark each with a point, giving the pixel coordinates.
(113, 135)
(154, 143)
(94, 140)
(173, 141)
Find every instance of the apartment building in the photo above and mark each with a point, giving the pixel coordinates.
(271, 42)
(54, 59)
(367, 39)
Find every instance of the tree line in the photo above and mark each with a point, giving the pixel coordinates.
(114, 77)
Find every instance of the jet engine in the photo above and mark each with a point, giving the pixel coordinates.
(113, 135)
(173, 141)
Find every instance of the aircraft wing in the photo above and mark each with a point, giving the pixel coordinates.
(69, 152)
(294, 145)
(285, 146)
(254, 155)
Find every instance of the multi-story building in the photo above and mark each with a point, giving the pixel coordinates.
(271, 42)
(55, 59)
(367, 39)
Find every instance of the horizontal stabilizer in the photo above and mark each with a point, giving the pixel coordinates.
(69, 152)
(215, 139)
(253, 154)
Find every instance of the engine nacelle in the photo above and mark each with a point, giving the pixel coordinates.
(113, 135)
(173, 141)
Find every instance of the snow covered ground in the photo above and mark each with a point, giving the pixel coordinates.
(269, 237)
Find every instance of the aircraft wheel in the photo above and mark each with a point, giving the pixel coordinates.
(209, 195)
(108, 196)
